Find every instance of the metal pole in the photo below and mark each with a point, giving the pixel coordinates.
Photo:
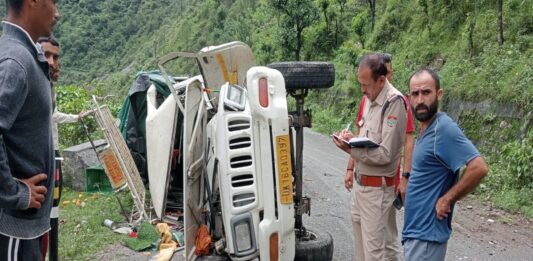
(53, 236)
(299, 160)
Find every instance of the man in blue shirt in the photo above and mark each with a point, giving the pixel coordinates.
(434, 185)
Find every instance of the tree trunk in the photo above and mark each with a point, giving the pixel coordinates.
(298, 44)
(471, 28)
(336, 32)
(427, 20)
(500, 22)
(324, 5)
(372, 4)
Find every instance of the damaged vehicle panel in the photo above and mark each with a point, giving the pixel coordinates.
(228, 133)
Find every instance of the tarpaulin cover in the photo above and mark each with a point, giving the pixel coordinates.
(132, 116)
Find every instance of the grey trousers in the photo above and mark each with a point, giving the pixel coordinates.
(415, 249)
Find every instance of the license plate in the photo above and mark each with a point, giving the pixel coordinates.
(284, 168)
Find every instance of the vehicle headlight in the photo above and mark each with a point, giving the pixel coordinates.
(235, 98)
(243, 234)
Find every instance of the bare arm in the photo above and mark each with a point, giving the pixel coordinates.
(348, 177)
(408, 151)
(407, 160)
(475, 171)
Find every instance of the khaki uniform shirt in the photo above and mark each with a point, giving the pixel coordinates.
(387, 130)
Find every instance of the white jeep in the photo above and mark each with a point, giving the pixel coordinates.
(240, 164)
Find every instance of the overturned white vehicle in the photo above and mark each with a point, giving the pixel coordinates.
(238, 157)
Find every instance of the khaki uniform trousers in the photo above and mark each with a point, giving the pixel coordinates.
(392, 242)
(371, 212)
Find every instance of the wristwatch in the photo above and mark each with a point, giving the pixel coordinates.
(406, 174)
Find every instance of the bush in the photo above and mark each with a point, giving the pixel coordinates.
(510, 181)
(517, 159)
(72, 99)
(515, 200)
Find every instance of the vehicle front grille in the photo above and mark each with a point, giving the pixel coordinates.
(245, 199)
(242, 180)
(240, 143)
(240, 124)
(241, 161)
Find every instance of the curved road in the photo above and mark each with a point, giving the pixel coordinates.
(480, 232)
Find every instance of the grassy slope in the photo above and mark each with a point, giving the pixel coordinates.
(81, 231)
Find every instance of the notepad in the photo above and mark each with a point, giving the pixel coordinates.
(362, 142)
(358, 142)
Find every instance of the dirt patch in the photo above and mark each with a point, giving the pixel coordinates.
(482, 232)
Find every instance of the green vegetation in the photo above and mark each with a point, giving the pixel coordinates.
(104, 43)
(72, 99)
(510, 182)
(82, 232)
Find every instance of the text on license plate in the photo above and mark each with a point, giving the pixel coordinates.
(284, 168)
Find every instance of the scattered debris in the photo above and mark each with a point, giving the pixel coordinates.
(146, 235)
(77, 228)
(133, 234)
(110, 224)
(123, 230)
(167, 246)
(203, 241)
(179, 237)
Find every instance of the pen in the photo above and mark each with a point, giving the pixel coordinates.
(348, 126)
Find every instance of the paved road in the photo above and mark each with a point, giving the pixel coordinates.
(480, 232)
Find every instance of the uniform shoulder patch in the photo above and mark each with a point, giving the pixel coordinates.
(392, 120)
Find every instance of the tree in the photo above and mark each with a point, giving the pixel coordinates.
(296, 15)
(339, 20)
(324, 5)
(500, 22)
(427, 19)
(372, 5)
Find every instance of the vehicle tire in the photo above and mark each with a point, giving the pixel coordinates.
(306, 75)
(317, 247)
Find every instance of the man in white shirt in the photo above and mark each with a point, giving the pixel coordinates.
(50, 47)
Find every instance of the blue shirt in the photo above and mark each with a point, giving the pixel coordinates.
(439, 154)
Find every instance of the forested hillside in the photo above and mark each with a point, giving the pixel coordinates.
(484, 58)
(103, 39)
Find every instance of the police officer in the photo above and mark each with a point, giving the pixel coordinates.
(384, 122)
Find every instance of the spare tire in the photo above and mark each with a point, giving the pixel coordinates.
(315, 246)
(306, 75)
